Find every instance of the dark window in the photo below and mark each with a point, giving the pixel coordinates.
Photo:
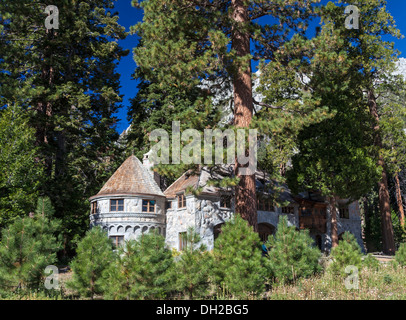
(148, 206)
(288, 209)
(168, 204)
(117, 240)
(306, 211)
(225, 201)
(343, 212)
(94, 208)
(260, 205)
(181, 201)
(217, 230)
(117, 205)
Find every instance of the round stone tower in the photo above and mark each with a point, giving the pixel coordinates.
(129, 204)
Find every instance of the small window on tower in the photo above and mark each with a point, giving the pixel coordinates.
(94, 207)
(148, 206)
(117, 205)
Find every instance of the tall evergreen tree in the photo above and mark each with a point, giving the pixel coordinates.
(189, 43)
(373, 59)
(67, 79)
(21, 174)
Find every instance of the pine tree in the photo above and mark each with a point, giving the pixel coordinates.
(347, 253)
(21, 174)
(66, 80)
(143, 270)
(193, 268)
(335, 155)
(238, 269)
(27, 247)
(291, 254)
(94, 255)
(373, 60)
(206, 45)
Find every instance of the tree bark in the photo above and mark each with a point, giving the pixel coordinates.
(333, 221)
(399, 200)
(246, 203)
(388, 241)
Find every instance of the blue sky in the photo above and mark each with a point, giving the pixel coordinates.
(129, 16)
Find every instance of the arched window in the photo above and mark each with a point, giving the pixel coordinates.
(318, 241)
(217, 230)
(265, 230)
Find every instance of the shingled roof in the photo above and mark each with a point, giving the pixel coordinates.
(201, 179)
(131, 178)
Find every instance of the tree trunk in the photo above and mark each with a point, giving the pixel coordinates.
(388, 241)
(44, 108)
(333, 221)
(246, 203)
(399, 200)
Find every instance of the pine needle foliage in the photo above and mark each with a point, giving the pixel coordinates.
(141, 271)
(238, 265)
(27, 247)
(347, 253)
(291, 254)
(193, 268)
(400, 255)
(94, 255)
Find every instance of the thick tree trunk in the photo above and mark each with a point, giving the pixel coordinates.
(246, 203)
(399, 200)
(388, 241)
(333, 221)
(44, 110)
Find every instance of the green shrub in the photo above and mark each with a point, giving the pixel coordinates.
(291, 254)
(27, 247)
(142, 270)
(400, 255)
(370, 262)
(93, 255)
(193, 268)
(237, 267)
(347, 253)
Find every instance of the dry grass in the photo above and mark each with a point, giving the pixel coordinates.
(386, 283)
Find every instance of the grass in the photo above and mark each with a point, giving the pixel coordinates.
(388, 282)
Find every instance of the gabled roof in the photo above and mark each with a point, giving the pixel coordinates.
(201, 179)
(131, 178)
(195, 180)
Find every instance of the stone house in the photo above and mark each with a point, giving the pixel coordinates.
(132, 203)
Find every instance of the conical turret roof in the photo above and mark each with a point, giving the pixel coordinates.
(131, 178)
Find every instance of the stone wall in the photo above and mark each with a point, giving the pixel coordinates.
(353, 225)
(131, 222)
